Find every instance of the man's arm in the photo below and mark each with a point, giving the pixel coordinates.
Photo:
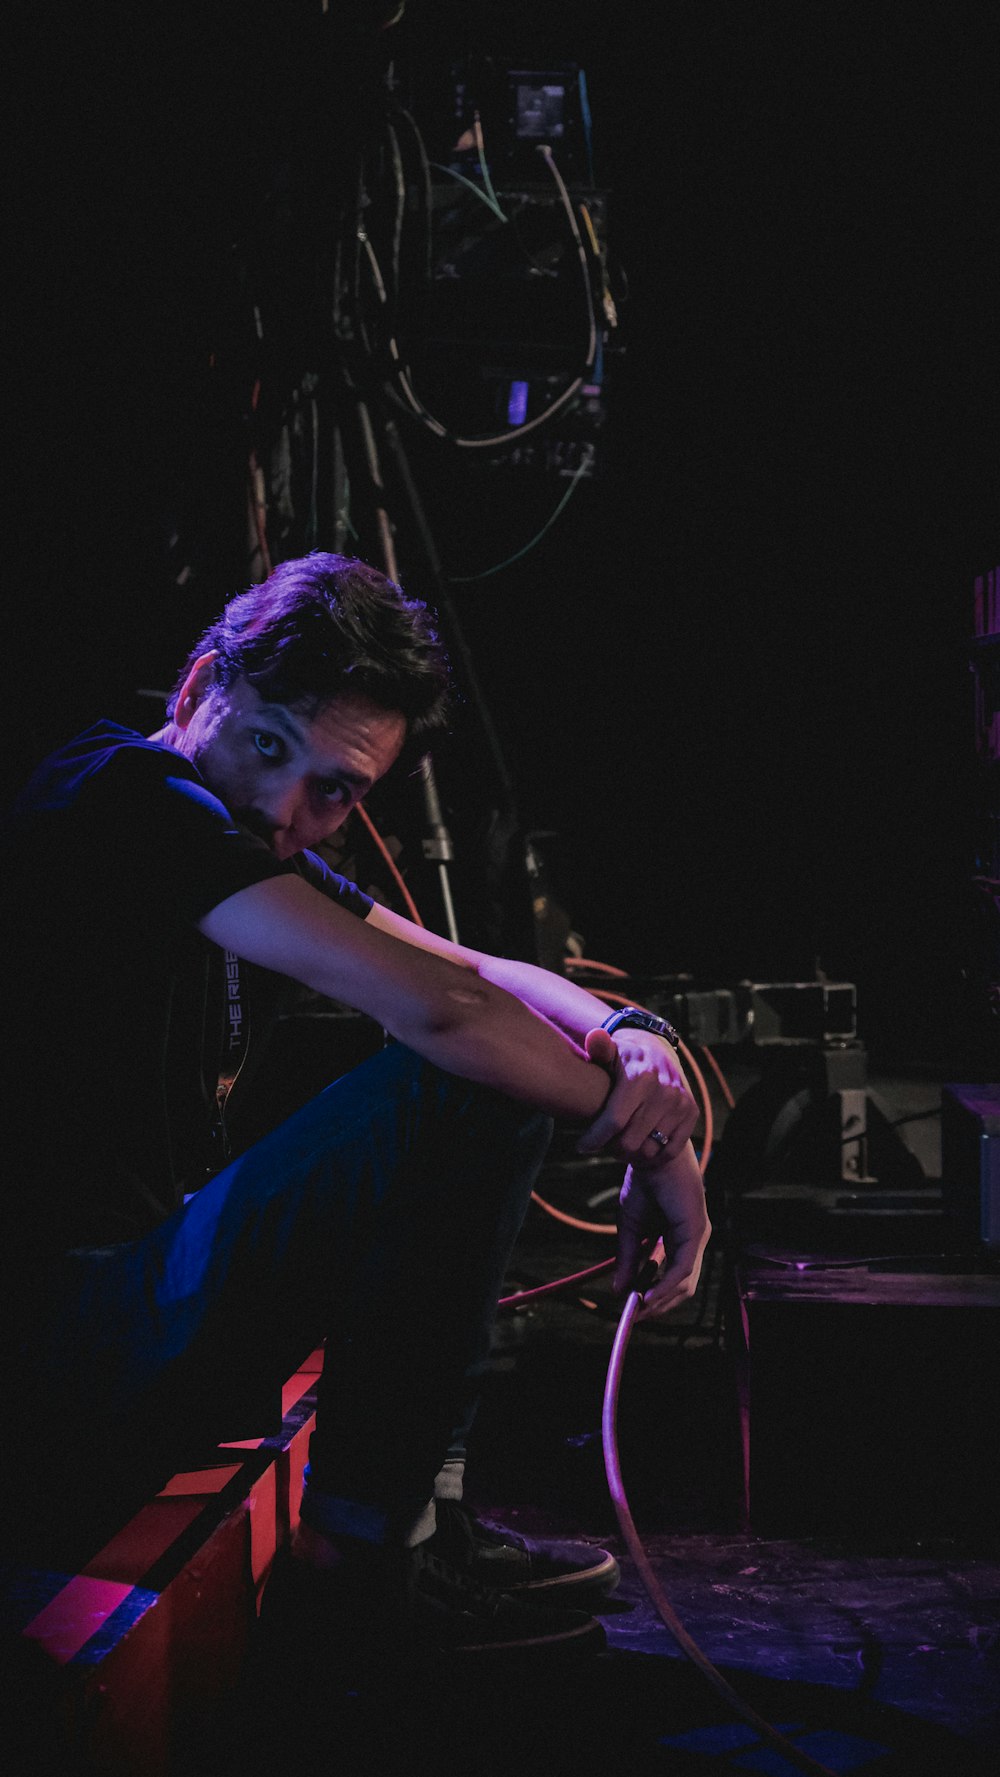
(570, 1007)
(434, 1003)
(663, 1193)
(649, 1090)
(439, 999)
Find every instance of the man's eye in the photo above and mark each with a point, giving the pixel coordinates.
(333, 790)
(268, 745)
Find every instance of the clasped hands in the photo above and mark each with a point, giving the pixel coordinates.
(662, 1193)
(648, 1092)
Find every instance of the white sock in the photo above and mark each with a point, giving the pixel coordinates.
(448, 1484)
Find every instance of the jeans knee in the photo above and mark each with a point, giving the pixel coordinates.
(516, 1135)
(509, 1119)
(539, 1129)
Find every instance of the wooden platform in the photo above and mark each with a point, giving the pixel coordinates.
(115, 1667)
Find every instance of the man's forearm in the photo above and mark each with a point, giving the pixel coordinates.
(572, 1008)
(649, 1091)
(512, 1046)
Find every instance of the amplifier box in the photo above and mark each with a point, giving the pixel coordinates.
(970, 1161)
(867, 1395)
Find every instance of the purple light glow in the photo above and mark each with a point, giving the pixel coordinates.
(517, 404)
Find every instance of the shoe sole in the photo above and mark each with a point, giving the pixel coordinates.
(296, 1632)
(581, 1641)
(590, 1583)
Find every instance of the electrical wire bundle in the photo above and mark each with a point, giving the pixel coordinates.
(380, 261)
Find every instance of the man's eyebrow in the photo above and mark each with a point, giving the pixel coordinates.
(281, 717)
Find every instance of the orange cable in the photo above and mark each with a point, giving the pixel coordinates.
(560, 1215)
(558, 1283)
(572, 963)
(379, 842)
(724, 1085)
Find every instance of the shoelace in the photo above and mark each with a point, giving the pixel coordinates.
(453, 1512)
(452, 1584)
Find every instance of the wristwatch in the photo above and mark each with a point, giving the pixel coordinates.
(633, 1018)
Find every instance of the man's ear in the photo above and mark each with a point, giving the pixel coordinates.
(194, 688)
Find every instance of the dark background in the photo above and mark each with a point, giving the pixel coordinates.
(731, 682)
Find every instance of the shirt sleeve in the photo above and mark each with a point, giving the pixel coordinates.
(172, 846)
(338, 888)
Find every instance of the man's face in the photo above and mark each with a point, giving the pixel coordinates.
(292, 778)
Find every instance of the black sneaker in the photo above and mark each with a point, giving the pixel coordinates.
(451, 1610)
(562, 1573)
(394, 1611)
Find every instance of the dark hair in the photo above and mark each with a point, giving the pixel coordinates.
(328, 626)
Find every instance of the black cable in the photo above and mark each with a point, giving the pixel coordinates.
(446, 608)
(399, 186)
(426, 196)
(532, 543)
(400, 391)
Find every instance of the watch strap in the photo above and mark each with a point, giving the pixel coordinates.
(634, 1018)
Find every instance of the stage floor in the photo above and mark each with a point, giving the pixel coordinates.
(874, 1646)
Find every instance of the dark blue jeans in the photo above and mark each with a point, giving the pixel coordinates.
(380, 1217)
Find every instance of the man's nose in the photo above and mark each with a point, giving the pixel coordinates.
(282, 809)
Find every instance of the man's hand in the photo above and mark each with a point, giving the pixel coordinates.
(647, 1092)
(666, 1199)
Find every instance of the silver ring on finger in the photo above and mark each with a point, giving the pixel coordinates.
(658, 1136)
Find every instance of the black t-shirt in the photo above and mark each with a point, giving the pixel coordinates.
(115, 1012)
